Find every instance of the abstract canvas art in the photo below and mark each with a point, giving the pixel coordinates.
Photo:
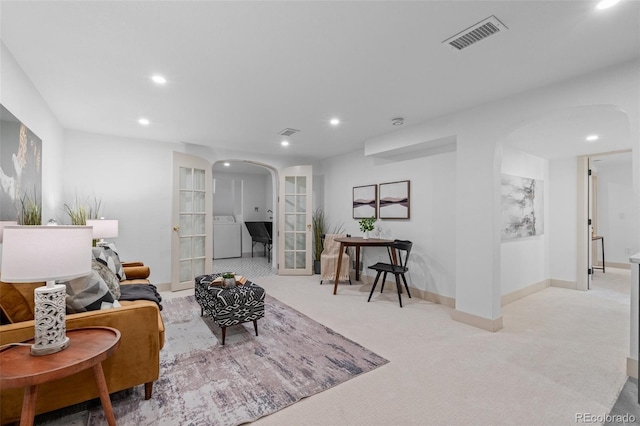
(395, 200)
(365, 199)
(522, 207)
(20, 165)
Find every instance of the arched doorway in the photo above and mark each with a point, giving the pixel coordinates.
(243, 191)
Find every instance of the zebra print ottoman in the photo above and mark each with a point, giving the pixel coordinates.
(228, 307)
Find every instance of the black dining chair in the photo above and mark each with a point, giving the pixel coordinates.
(402, 248)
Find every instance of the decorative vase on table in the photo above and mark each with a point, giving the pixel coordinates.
(366, 235)
(228, 280)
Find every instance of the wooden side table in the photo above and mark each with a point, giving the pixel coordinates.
(88, 347)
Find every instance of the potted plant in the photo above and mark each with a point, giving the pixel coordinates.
(228, 280)
(367, 225)
(30, 213)
(319, 222)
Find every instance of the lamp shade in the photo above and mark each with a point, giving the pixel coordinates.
(45, 253)
(4, 223)
(104, 228)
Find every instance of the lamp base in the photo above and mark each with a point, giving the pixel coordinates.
(50, 320)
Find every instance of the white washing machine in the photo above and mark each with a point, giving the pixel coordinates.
(227, 237)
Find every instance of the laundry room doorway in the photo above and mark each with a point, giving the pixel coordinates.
(243, 193)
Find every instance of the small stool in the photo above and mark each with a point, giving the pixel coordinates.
(232, 306)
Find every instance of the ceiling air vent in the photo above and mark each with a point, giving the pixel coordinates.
(288, 132)
(475, 33)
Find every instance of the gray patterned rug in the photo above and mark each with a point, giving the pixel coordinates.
(204, 383)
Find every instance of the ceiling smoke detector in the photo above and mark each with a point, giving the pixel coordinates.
(397, 121)
(476, 32)
(288, 132)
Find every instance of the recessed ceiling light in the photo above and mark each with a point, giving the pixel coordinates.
(144, 121)
(158, 79)
(284, 143)
(227, 164)
(605, 4)
(334, 121)
(592, 138)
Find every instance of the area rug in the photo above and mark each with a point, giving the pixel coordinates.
(204, 383)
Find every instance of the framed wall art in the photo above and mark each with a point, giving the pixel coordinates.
(522, 207)
(20, 166)
(365, 200)
(395, 200)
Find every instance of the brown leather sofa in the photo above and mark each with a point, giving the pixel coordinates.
(136, 362)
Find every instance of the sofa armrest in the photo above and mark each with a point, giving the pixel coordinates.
(136, 271)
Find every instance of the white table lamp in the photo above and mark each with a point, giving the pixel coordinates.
(46, 253)
(4, 223)
(103, 228)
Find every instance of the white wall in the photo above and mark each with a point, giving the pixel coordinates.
(525, 261)
(617, 220)
(562, 227)
(22, 99)
(133, 179)
(477, 132)
(433, 205)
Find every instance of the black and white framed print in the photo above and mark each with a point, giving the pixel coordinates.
(365, 200)
(395, 200)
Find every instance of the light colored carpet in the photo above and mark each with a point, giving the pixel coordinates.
(561, 352)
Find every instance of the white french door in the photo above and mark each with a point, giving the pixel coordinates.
(295, 236)
(191, 241)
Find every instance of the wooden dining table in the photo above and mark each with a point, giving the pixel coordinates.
(358, 242)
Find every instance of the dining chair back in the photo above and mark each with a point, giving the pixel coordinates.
(399, 250)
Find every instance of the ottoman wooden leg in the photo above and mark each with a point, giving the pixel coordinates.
(224, 334)
(255, 325)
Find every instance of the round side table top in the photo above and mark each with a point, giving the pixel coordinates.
(87, 347)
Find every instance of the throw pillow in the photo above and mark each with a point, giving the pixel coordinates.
(86, 293)
(109, 257)
(108, 276)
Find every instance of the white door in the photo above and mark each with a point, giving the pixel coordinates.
(294, 236)
(191, 248)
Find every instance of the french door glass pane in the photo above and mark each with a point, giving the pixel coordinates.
(301, 260)
(198, 202)
(289, 203)
(186, 179)
(186, 201)
(290, 222)
(290, 185)
(198, 267)
(185, 224)
(301, 241)
(185, 270)
(289, 241)
(198, 224)
(301, 185)
(301, 203)
(301, 222)
(185, 248)
(289, 262)
(198, 180)
(198, 246)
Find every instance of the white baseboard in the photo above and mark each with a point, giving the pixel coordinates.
(492, 325)
(523, 292)
(422, 294)
(571, 285)
(632, 367)
(163, 286)
(613, 265)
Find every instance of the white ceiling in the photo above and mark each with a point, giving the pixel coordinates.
(240, 72)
